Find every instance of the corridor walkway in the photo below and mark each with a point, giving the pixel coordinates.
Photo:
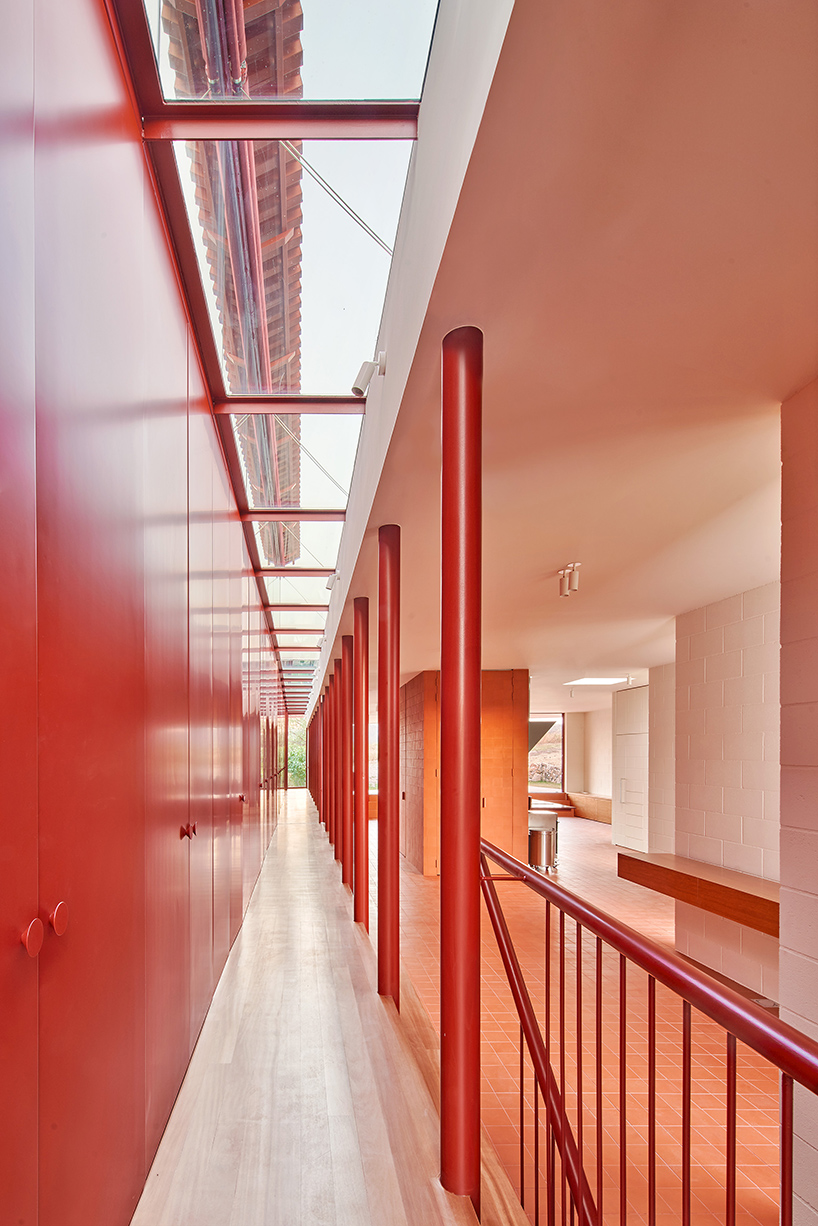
(303, 1104)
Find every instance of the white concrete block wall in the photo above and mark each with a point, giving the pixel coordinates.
(661, 758)
(727, 769)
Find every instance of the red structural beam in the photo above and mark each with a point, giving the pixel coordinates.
(360, 772)
(347, 644)
(295, 572)
(276, 515)
(283, 406)
(279, 120)
(297, 608)
(460, 680)
(389, 761)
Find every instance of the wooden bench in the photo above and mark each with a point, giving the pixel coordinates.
(751, 901)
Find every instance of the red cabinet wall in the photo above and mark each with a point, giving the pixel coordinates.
(126, 613)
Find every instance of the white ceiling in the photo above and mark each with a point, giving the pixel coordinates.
(637, 236)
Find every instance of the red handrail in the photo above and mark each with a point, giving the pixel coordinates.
(793, 1052)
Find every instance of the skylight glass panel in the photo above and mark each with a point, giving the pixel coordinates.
(312, 49)
(298, 620)
(299, 544)
(293, 241)
(297, 460)
(296, 589)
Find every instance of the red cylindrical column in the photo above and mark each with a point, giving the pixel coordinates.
(320, 760)
(286, 747)
(331, 759)
(338, 759)
(389, 761)
(460, 678)
(360, 771)
(346, 766)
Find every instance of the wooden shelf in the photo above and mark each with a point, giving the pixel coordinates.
(747, 900)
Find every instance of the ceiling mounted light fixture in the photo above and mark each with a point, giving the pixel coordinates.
(569, 578)
(367, 373)
(597, 681)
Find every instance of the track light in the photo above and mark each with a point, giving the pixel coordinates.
(367, 373)
(569, 578)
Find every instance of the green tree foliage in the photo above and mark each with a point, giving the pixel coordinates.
(297, 754)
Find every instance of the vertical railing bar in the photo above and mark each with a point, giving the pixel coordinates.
(786, 1149)
(563, 1086)
(549, 1127)
(579, 1047)
(522, 1118)
(536, 1150)
(651, 1101)
(552, 1179)
(730, 1156)
(599, 1078)
(623, 1092)
(686, 1094)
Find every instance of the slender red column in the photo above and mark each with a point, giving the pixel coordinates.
(360, 771)
(286, 747)
(331, 759)
(346, 767)
(460, 678)
(338, 759)
(389, 761)
(320, 760)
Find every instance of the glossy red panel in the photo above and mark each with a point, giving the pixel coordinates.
(18, 709)
(200, 477)
(90, 286)
(167, 932)
(236, 783)
(221, 716)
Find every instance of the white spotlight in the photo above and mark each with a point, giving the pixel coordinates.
(367, 373)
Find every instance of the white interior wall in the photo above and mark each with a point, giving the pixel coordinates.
(662, 758)
(598, 752)
(574, 734)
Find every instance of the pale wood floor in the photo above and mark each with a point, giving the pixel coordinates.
(304, 1101)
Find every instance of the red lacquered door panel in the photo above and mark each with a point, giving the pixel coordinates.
(221, 715)
(18, 681)
(90, 288)
(236, 781)
(167, 915)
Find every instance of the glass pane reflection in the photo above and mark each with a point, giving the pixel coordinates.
(299, 544)
(296, 589)
(294, 284)
(297, 460)
(359, 49)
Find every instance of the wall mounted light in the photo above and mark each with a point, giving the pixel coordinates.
(367, 373)
(569, 578)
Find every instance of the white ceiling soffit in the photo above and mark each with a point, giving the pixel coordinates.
(636, 236)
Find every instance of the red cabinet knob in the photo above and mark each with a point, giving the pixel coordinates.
(58, 919)
(243, 799)
(188, 831)
(32, 938)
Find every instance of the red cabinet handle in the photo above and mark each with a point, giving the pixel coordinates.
(243, 799)
(188, 831)
(58, 919)
(32, 938)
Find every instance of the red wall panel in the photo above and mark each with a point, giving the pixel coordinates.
(167, 918)
(18, 692)
(221, 716)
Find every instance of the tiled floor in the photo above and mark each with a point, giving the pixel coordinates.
(587, 868)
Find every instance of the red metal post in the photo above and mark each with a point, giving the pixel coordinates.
(389, 761)
(360, 774)
(331, 759)
(460, 679)
(286, 747)
(338, 760)
(346, 764)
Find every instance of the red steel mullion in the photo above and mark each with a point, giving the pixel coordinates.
(730, 1155)
(786, 1149)
(347, 765)
(389, 761)
(460, 682)
(623, 1091)
(686, 1096)
(361, 762)
(549, 1123)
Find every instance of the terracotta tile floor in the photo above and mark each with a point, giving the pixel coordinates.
(588, 868)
